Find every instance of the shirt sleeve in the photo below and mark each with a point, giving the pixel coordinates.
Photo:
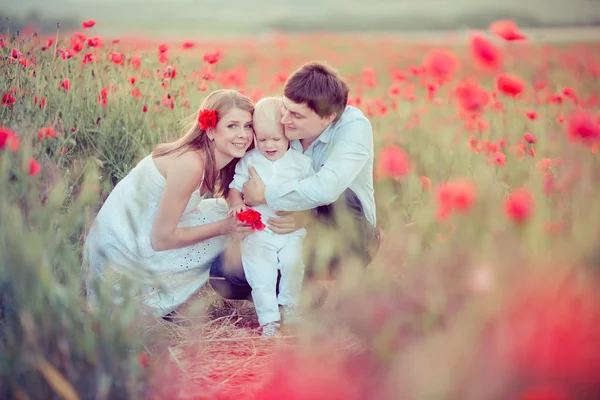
(241, 173)
(309, 170)
(351, 151)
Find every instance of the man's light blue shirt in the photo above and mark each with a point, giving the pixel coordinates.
(342, 158)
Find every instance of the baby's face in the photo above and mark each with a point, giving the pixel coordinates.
(270, 139)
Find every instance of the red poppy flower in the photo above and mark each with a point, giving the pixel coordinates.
(87, 58)
(510, 85)
(94, 42)
(136, 62)
(455, 196)
(441, 65)
(519, 205)
(207, 119)
(88, 24)
(251, 217)
(48, 132)
(485, 53)
(392, 163)
(7, 99)
(583, 127)
(9, 139)
(34, 167)
(472, 98)
(188, 45)
(212, 58)
(116, 58)
(507, 30)
(529, 138)
(66, 84)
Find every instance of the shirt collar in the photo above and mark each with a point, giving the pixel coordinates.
(325, 136)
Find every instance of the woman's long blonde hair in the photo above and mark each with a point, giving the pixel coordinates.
(222, 101)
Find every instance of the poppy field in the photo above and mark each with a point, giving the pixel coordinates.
(487, 282)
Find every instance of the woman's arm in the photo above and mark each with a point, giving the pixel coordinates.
(183, 175)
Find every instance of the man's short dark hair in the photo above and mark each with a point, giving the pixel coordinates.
(320, 87)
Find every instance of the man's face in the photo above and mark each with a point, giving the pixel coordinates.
(300, 122)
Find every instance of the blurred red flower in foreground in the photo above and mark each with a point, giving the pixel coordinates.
(519, 205)
(548, 332)
(485, 53)
(310, 377)
(392, 163)
(507, 30)
(455, 196)
(8, 139)
(543, 392)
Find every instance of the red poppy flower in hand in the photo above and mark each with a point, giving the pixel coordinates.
(251, 217)
(207, 119)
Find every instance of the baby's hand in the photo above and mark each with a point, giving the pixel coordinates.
(235, 209)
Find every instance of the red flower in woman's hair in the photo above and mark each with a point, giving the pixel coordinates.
(251, 217)
(207, 119)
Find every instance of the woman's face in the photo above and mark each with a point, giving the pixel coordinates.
(233, 134)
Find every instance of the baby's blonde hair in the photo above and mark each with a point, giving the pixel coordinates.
(269, 108)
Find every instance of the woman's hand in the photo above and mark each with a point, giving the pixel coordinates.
(288, 221)
(234, 228)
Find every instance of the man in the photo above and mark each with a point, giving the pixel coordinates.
(339, 139)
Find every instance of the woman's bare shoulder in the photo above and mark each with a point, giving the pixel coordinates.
(192, 162)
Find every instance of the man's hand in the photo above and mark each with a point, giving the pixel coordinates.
(254, 189)
(289, 221)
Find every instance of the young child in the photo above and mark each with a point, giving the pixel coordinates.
(264, 252)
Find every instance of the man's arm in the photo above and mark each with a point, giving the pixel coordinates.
(349, 155)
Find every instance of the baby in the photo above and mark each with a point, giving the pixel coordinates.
(264, 252)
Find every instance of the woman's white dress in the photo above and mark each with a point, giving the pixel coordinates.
(118, 243)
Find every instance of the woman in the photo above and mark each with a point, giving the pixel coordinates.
(156, 228)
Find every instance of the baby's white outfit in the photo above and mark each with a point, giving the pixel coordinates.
(264, 252)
